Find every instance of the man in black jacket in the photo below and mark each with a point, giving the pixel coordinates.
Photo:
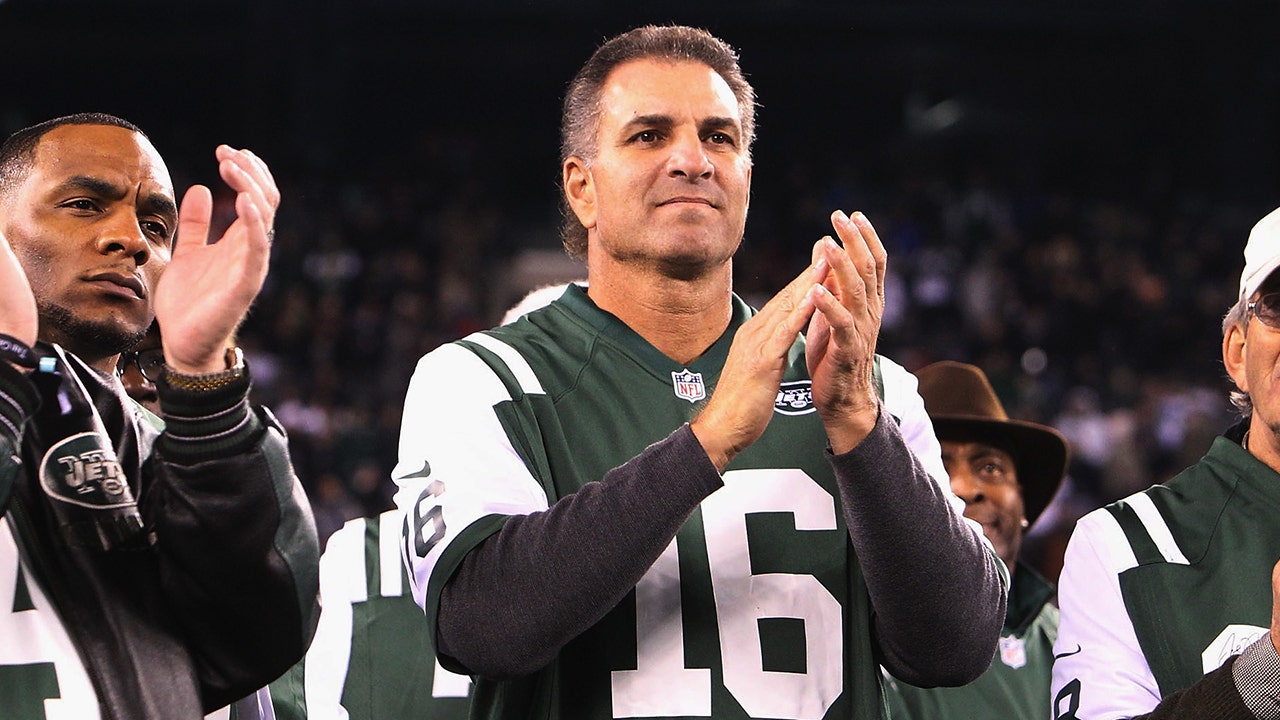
(145, 571)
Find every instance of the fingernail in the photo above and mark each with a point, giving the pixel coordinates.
(839, 217)
(820, 267)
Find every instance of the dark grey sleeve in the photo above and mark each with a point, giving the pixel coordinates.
(545, 578)
(1212, 697)
(936, 591)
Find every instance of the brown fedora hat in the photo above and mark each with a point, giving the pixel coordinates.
(964, 408)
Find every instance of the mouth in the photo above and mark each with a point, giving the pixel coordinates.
(119, 283)
(687, 200)
(984, 519)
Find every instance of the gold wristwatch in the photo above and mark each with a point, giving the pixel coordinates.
(207, 382)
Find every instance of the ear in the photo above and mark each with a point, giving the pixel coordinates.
(1233, 346)
(580, 190)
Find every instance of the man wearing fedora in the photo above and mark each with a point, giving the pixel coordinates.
(1169, 597)
(1006, 471)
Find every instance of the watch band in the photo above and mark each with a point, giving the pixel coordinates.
(207, 382)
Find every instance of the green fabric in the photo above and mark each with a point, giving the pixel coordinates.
(1221, 514)
(608, 395)
(1016, 686)
(391, 669)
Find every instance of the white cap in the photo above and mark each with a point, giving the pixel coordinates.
(1261, 254)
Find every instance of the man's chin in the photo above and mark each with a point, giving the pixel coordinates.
(90, 338)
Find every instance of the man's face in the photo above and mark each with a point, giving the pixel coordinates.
(92, 224)
(671, 178)
(986, 479)
(149, 354)
(1251, 354)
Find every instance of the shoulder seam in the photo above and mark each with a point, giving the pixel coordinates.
(515, 363)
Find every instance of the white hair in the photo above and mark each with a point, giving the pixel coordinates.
(538, 297)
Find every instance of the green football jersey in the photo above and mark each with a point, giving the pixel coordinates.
(371, 658)
(1016, 686)
(1161, 588)
(757, 608)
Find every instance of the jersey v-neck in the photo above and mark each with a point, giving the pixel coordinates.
(709, 363)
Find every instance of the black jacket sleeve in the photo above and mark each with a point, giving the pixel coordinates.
(237, 545)
(18, 402)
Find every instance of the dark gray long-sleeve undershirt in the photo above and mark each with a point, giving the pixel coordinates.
(544, 578)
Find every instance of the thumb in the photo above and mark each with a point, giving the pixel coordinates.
(194, 218)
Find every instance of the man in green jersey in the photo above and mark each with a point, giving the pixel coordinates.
(648, 499)
(371, 658)
(1006, 471)
(1170, 597)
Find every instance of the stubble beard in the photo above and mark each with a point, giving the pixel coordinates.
(90, 340)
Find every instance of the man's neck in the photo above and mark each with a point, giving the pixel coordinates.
(105, 364)
(1263, 441)
(681, 318)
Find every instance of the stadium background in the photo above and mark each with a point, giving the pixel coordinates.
(1064, 187)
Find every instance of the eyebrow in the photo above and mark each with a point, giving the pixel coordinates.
(720, 123)
(665, 121)
(661, 121)
(149, 203)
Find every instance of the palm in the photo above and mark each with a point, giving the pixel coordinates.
(208, 287)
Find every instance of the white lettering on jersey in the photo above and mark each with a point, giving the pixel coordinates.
(37, 660)
(661, 685)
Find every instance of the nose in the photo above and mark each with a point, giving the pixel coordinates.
(689, 158)
(121, 234)
(965, 486)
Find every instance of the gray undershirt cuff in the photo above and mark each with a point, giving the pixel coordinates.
(1257, 677)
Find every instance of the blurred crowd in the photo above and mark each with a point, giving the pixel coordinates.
(1099, 316)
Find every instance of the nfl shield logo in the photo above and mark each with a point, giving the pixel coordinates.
(1013, 652)
(689, 385)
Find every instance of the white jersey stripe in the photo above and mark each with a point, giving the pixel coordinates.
(1157, 528)
(342, 582)
(390, 564)
(515, 362)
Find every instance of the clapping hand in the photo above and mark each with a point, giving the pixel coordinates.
(208, 287)
(841, 342)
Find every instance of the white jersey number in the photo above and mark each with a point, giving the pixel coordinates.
(662, 686)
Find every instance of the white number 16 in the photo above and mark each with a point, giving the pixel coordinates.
(662, 686)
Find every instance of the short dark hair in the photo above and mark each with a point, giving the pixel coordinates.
(19, 149)
(580, 118)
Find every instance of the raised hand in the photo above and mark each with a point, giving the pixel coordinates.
(18, 317)
(208, 287)
(742, 404)
(841, 342)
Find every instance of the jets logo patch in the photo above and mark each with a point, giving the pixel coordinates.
(82, 470)
(794, 398)
(688, 385)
